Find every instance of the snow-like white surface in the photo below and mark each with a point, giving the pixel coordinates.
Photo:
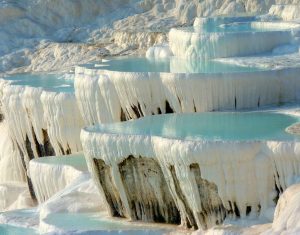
(77, 209)
(193, 45)
(278, 60)
(286, 217)
(286, 12)
(56, 35)
(159, 52)
(50, 175)
(11, 168)
(102, 94)
(30, 111)
(245, 172)
(78, 32)
(14, 195)
(80, 196)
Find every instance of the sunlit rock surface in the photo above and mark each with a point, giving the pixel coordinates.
(41, 115)
(218, 39)
(76, 31)
(207, 179)
(286, 213)
(197, 183)
(106, 93)
(49, 175)
(286, 12)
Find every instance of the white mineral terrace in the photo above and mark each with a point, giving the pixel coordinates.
(228, 40)
(153, 148)
(50, 175)
(195, 169)
(41, 114)
(105, 93)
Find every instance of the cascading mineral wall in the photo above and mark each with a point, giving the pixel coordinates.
(110, 96)
(49, 175)
(40, 123)
(193, 45)
(207, 180)
(11, 167)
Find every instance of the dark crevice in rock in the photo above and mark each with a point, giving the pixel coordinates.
(29, 183)
(61, 149)
(147, 192)
(191, 222)
(68, 151)
(248, 210)
(179, 101)
(110, 191)
(236, 210)
(31, 190)
(1, 117)
(276, 198)
(42, 150)
(230, 211)
(38, 147)
(123, 116)
(159, 111)
(49, 150)
(235, 102)
(278, 187)
(168, 108)
(258, 208)
(137, 110)
(28, 148)
(213, 212)
(195, 109)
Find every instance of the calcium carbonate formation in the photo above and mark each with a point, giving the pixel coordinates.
(207, 178)
(50, 175)
(153, 178)
(40, 123)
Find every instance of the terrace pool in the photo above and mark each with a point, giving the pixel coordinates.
(75, 160)
(6, 229)
(97, 223)
(236, 27)
(208, 126)
(49, 82)
(168, 65)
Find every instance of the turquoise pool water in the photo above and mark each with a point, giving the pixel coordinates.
(101, 225)
(79, 223)
(208, 126)
(236, 27)
(13, 230)
(168, 65)
(213, 22)
(49, 82)
(75, 160)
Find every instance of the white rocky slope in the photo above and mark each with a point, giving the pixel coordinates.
(50, 35)
(70, 32)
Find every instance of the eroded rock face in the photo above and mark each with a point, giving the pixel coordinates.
(213, 211)
(190, 219)
(147, 192)
(42, 150)
(111, 193)
(142, 190)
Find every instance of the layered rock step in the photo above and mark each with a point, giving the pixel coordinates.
(230, 37)
(193, 169)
